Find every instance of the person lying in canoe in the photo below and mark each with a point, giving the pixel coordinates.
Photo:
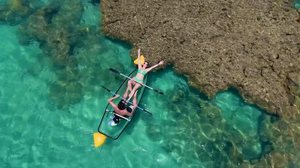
(121, 108)
(136, 82)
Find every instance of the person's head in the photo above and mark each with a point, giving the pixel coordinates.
(121, 105)
(145, 65)
(129, 109)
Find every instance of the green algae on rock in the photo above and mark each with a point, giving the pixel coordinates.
(251, 45)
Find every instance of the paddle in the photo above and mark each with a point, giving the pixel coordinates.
(113, 93)
(119, 73)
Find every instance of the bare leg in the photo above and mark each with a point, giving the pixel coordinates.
(125, 95)
(135, 88)
(134, 101)
(130, 84)
(129, 88)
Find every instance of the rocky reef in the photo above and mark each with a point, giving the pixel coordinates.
(253, 46)
(15, 10)
(58, 41)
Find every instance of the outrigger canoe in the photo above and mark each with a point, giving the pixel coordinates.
(114, 132)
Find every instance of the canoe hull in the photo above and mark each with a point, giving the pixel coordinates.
(114, 132)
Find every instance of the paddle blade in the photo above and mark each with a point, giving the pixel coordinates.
(105, 88)
(158, 91)
(113, 70)
(99, 139)
(113, 93)
(148, 112)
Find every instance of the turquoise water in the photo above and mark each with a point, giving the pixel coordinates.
(51, 104)
(297, 4)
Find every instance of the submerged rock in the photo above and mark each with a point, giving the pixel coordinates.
(249, 45)
(15, 10)
(58, 29)
(197, 131)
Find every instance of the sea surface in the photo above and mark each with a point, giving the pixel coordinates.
(297, 4)
(51, 100)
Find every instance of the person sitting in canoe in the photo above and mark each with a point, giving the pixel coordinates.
(121, 108)
(135, 83)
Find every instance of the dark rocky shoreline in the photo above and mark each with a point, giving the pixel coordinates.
(253, 46)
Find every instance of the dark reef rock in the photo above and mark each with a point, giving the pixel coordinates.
(58, 29)
(55, 28)
(15, 10)
(95, 2)
(196, 130)
(251, 45)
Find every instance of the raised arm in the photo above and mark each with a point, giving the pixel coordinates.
(154, 66)
(139, 59)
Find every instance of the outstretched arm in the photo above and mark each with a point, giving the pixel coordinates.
(113, 105)
(112, 98)
(154, 66)
(110, 101)
(139, 59)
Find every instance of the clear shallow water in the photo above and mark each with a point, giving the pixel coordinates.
(297, 4)
(49, 111)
